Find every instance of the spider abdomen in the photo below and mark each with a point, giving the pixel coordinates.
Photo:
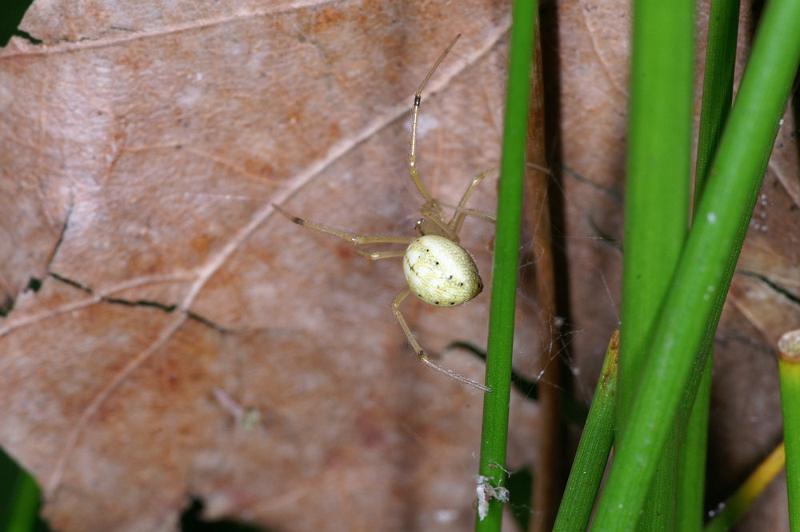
(441, 272)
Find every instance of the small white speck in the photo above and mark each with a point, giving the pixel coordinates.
(709, 292)
(712, 218)
(425, 125)
(445, 516)
(713, 512)
(189, 97)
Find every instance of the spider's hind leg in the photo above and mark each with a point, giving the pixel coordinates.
(421, 354)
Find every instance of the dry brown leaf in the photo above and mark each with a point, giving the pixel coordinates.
(145, 146)
(185, 340)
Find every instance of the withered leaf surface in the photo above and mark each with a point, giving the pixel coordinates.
(187, 341)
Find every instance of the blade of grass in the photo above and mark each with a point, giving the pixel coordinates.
(789, 366)
(592, 455)
(656, 203)
(723, 25)
(506, 258)
(686, 324)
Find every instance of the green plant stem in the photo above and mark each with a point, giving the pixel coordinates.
(723, 25)
(692, 458)
(25, 505)
(789, 366)
(506, 256)
(740, 502)
(656, 203)
(686, 324)
(592, 455)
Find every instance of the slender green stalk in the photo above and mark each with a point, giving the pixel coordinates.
(789, 365)
(656, 202)
(25, 505)
(740, 502)
(692, 458)
(686, 324)
(506, 256)
(723, 25)
(592, 456)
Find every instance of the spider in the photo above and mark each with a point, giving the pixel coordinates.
(437, 269)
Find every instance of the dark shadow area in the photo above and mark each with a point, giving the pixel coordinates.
(192, 521)
(520, 498)
(528, 388)
(554, 153)
(11, 13)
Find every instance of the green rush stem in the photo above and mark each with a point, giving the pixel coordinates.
(656, 207)
(494, 434)
(686, 323)
(789, 367)
(25, 505)
(592, 455)
(723, 25)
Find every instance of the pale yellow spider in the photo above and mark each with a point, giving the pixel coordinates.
(438, 270)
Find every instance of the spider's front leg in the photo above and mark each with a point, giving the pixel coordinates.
(353, 238)
(412, 156)
(461, 210)
(382, 254)
(421, 354)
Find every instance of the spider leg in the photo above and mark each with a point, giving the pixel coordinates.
(354, 238)
(421, 354)
(382, 254)
(434, 216)
(485, 216)
(461, 210)
(412, 157)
